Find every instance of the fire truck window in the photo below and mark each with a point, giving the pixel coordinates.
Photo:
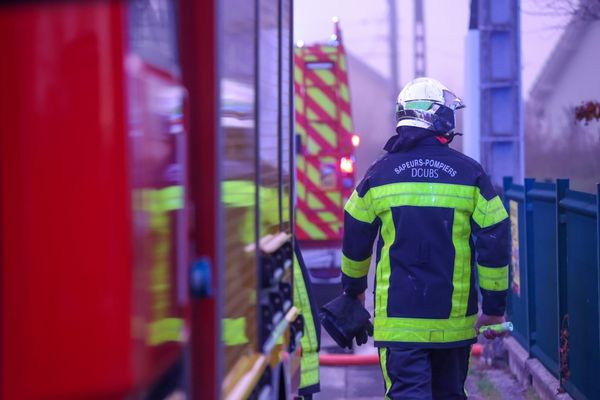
(268, 117)
(152, 34)
(238, 174)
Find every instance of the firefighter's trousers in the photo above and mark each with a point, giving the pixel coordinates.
(425, 374)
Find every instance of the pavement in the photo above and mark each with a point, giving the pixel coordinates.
(489, 377)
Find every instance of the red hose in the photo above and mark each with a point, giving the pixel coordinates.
(348, 359)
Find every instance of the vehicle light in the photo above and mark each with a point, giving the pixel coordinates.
(347, 165)
(300, 43)
(355, 140)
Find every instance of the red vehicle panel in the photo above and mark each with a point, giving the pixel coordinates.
(84, 313)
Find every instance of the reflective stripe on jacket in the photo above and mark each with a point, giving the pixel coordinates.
(434, 209)
(311, 339)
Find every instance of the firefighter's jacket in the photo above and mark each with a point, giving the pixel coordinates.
(438, 217)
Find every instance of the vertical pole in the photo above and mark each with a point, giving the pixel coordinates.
(562, 185)
(472, 118)
(501, 124)
(393, 42)
(598, 241)
(420, 45)
(529, 263)
(507, 184)
(200, 39)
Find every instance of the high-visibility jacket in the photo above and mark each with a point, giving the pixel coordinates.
(438, 216)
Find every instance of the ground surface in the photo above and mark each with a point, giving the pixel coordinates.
(489, 378)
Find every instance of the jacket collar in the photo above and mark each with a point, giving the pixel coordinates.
(410, 137)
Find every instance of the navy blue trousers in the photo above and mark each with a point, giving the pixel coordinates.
(425, 374)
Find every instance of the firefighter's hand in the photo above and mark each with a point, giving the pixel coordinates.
(361, 298)
(485, 319)
(363, 336)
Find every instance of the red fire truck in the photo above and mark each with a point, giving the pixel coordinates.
(146, 159)
(325, 161)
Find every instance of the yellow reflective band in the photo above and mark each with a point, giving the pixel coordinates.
(165, 330)
(355, 269)
(461, 278)
(383, 271)
(423, 194)
(238, 193)
(234, 331)
(488, 213)
(359, 208)
(420, 330)
(494, 279)
(309, 361)
(309, 370)
(163, 200)
(386, 377)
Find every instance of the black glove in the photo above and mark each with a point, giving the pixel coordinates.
(362, 336)
(346, 319)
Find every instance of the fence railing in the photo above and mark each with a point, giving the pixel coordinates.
(555, 280)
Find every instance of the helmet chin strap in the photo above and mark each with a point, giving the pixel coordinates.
(448, 137)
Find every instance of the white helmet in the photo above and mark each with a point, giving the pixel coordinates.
(426, 103)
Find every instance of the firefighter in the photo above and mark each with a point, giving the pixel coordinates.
(440, 224)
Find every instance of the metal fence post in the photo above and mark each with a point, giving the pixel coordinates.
(598, 245)
(529, 237)
(562, 185)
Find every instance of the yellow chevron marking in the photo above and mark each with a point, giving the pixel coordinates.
(311, 229)
(298, 74)
(324, 102)
(335, 197)
(325, 131)
(312, 147)
(300, 163)
(346, 122)
(342, 64)
(299, 105)
(300, 189)
(344, 93)
(313, 174)
(314, 203)
(328, 49)
(327, 77)
(328, 217)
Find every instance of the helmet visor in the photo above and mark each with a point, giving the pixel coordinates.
(452, 101)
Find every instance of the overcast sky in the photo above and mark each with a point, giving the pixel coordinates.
(365, 33)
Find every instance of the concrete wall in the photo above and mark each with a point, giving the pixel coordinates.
(556, 145)
(372, 114)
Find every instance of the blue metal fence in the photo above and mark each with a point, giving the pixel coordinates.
(555, 270)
